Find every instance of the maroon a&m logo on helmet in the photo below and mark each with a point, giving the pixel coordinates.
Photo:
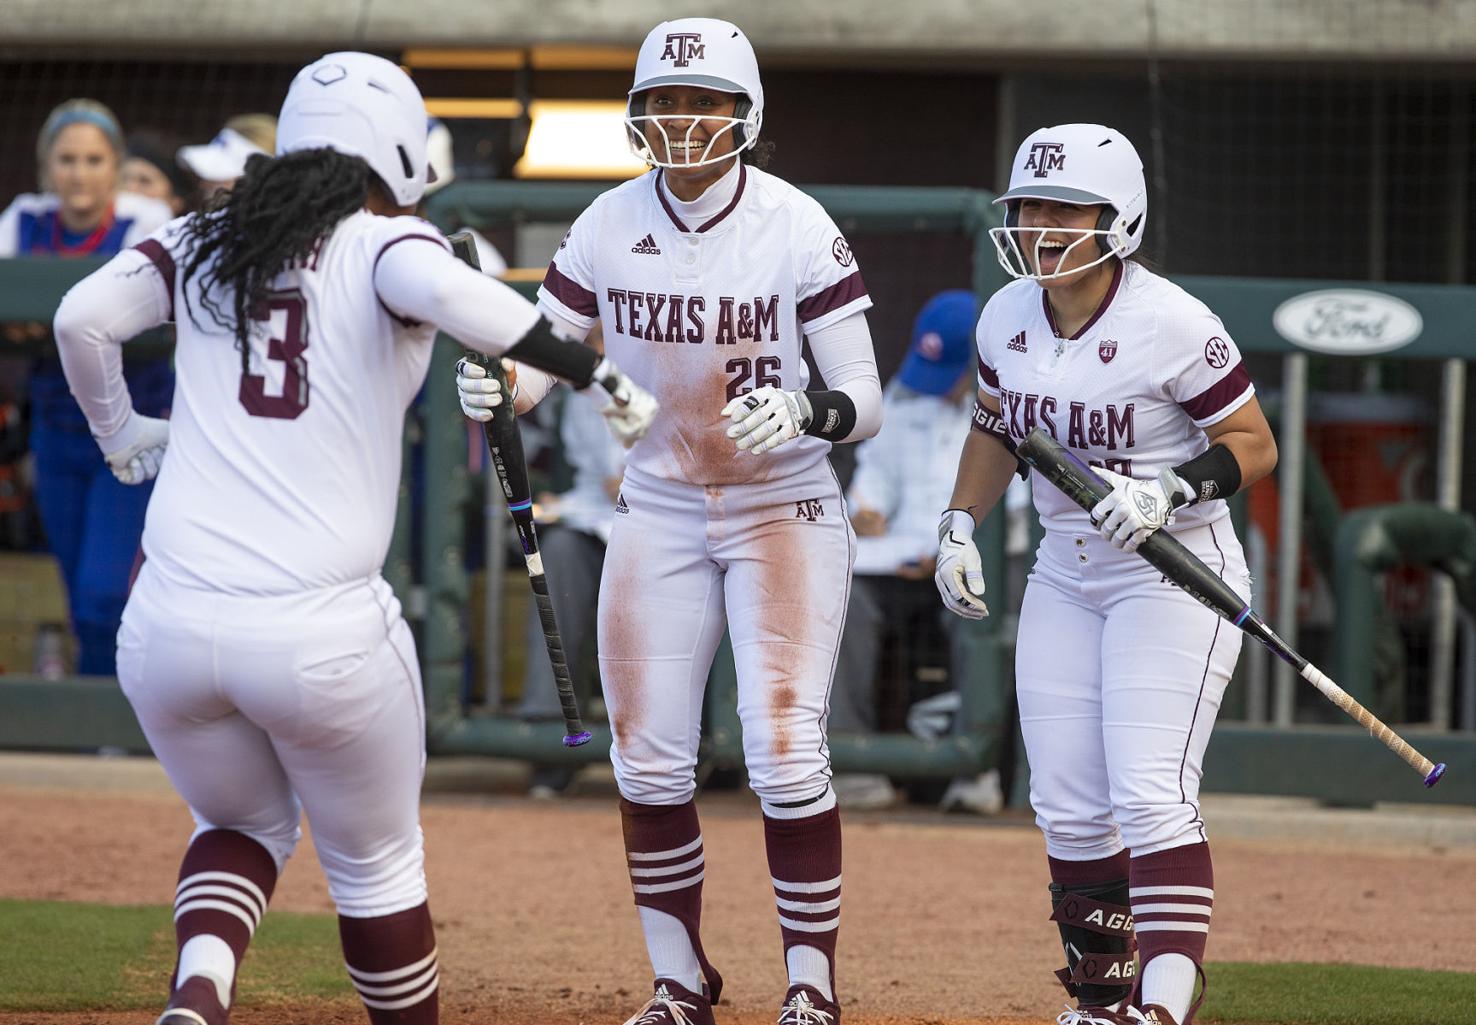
(682, 48)
(1045, 157)
(1107, 349)
(1217, 352)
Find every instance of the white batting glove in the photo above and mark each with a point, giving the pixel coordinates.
(631, 409)
(1136, 508)
(960, 573)
(479, 392)
(136, 450)
(767, 417)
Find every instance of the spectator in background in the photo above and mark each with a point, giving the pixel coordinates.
(92, 522)
(901, 476)
(219, 162)
(572, 534)
(151, 170)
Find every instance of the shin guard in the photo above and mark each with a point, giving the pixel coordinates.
(1089, 904)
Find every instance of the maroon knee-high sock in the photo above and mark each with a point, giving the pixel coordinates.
(1173, 893)
(392, 962)
(663, 849)
(225, 882)
(804, 848)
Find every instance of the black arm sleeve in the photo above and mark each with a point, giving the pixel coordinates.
(835, 414)
(575, 362)
(990, 424)
(1214, 473)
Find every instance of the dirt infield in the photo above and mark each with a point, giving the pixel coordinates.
(944, 921)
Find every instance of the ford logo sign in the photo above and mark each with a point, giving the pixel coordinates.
(1347, 321)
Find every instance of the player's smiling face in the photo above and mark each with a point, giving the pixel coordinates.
(82, 169)
(694, 126)
(1050, 251)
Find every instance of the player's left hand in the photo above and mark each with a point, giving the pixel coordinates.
(767, 417)
(136, 450)
(1136, 508)
(480, 393)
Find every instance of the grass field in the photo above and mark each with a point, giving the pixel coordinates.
(294, 958)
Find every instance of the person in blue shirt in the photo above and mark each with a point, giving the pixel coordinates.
(92, 522)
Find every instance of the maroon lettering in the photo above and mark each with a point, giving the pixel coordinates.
(1119, 426)
(285, 314)
(745, 321)
(696, 306)
(766, 313)
(1096, 429)
(617, 300)
(1047, 407)
(1029, 417)
(674, 318)
(637, 300)
(655, 302)
(1076, 432)
(725, 334)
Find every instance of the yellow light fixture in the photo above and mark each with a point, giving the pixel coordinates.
(464, 58)
(452, 108)
(578, 139)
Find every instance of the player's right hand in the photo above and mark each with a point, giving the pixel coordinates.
(479, 393)
(960, 573)
(136, 451)
(631, 409)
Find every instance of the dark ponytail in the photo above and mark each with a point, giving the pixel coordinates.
(276, 214)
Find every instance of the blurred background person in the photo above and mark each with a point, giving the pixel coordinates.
(219, 162)
(891, 499)
(92, 522)
(440, 151)
(149, 169)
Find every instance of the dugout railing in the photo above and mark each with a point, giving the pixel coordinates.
(1262, 752)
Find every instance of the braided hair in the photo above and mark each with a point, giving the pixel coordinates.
(276, 214)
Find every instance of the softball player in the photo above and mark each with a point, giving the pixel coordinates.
(706, 276)
(1119, 672)
(265, 656)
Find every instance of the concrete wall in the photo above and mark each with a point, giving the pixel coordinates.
(837, 30)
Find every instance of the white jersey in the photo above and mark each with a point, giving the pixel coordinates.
(699, 314)
(1131, 391)
(285, 478)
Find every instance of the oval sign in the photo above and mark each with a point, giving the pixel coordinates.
(1347, 321)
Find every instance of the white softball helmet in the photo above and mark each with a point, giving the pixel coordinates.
(363, 106)
(705, 53)
(1084, 164)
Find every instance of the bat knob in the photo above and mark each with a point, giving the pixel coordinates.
(584, 736)
(1435, 775)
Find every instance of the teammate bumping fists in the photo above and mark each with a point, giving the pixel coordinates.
(708, 276)
(265, 656)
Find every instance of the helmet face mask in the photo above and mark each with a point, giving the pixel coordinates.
(700, 53)
(742, 130)
(1089, 165)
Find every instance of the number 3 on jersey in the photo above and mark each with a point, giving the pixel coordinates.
(764, 370)
(285, 314)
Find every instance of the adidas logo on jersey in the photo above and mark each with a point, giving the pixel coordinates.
(646, 247)
(620, 506)
(1017, 343)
